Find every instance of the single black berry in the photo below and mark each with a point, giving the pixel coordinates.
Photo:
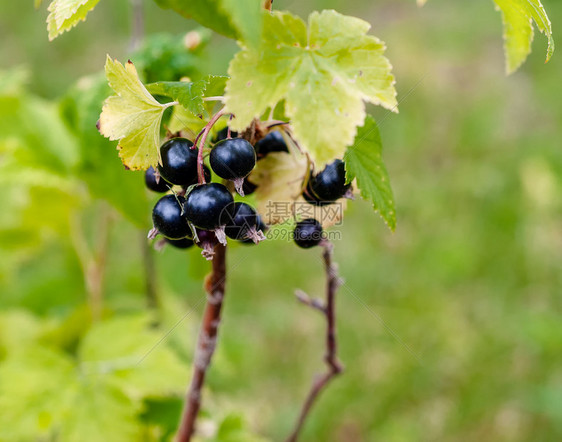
(184, 243)
(233, 158)
(308, 233)
(239, 222)
(328, 185)
(272, 142)
(150, 180)
(223, 133)
(179, 162)
(168, 218)
(206, 203)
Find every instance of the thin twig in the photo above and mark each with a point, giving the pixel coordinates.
(331, 358)
(215, 286)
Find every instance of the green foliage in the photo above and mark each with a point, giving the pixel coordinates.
(46, 391)
(165, 57)
(188, 94)
(240, 19)
(363, 161)
(65, 14)
(518, 17)
(324, 73)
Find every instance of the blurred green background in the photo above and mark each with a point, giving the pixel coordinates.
(450, 329)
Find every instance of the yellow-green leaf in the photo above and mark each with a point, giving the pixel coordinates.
(65, 14)
(518, 17)
(324, 74)
(133, 117)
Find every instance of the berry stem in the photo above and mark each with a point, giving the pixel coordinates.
(331, 358)
(202, 140)
(214, 286)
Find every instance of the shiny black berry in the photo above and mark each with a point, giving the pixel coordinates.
(168, 219)
(240, 221)
(233, 158)
(150, 180)
(328, 185)
(206, 203)
(184, 243)
(272, 142)
(308, 233)
(179, 162)
(223, 133)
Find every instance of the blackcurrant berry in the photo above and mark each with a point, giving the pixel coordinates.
(184, 243)
(206, 240)
(272, 142)
(168, 218)
(233, 159)
(308, 233)
(223, 133)
(179, 162)
(240, 221)
(205, 205)
(329, 185)
(150, 180)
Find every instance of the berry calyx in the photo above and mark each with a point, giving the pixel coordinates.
(272, 142)
(205, 205)
(179, 162)
(206, 240)
(233, 159)
(261, 227)
(328, 185)
(168, 218)
(154, 181)
(242, 223)
(308, 233)
(184, 243)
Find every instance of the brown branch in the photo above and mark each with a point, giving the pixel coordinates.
(214, 286)
(331, 359)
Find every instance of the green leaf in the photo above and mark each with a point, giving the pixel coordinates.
(96, 408)
(120, 349)
(188, 94)
(240, 19)
(363, 161)
(132, 116)
(65, 14)
(518, 17)
(325, 73)
(32, 392)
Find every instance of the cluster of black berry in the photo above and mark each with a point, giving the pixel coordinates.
(205, 213)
